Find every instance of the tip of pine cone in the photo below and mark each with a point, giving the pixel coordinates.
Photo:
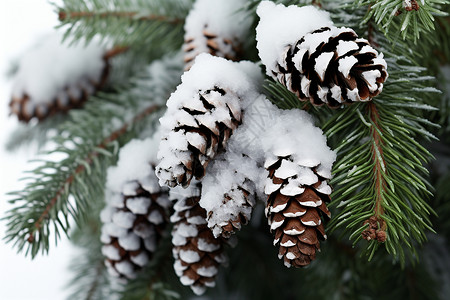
(62, 15)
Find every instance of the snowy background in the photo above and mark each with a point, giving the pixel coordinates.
(21, 22)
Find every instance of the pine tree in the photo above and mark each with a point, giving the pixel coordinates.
(224, 84)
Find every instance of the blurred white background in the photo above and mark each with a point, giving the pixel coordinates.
(21, 22)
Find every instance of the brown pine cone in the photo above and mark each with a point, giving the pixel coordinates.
(203, 126)
(133, 224)
(332, 65)
(296, 202)
(198, 254)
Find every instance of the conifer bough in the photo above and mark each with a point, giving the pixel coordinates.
(230, 148)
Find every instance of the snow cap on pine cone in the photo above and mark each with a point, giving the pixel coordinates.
(201, 116)
(56, 76)
(317, 61)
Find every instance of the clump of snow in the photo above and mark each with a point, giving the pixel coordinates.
(45, 71)
(225, 18)
(282, 26)
(297, 136)
(135, 164)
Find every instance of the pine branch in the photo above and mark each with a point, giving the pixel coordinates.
(379, 175)
(156, 23)
(86, 164)
(89, 144)
(411, 18)
(73, 16)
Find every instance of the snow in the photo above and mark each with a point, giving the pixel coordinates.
(280, 26)
(189, 256)
(346, 64)
(226, 176)
(185, 280)
(126, 268)
(141, 259)
(371, 79)
(124, 219)
(130, 242)
(198, 289)
(53, 66)
(155, 217)
(135, 163)
(225, 18)
(288, 243)
(113, 230)
(322, 62)
(111, 252)
(138, 205)
(187, 230)
(203, 245)
(207, 271)
(345, 47)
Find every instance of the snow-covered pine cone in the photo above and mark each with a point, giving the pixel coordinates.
(198, 254)
(205, 124)
(201, 116)
(228, 193)
(205, 31)
(133, 223)
(327, 65)
(246, 200)
(55, 78)
(295, 206)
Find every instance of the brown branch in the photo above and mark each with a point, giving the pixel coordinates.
(115, 51)
(64, 16)
(89, 159)
(377, 225)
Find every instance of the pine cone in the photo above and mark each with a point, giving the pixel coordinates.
(296, 201)
(209, 42)
(197, 252)
(242, 218)
(204, 125)
(133, 224)
(332, 65)
(228, 193)
(68, 77)
(69, 98)
(205, 31)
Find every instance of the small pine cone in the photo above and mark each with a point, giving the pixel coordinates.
(296, 202)
(133, 224)
(332, 65)
(205, 31)
(198, 254)
(323, 64)
(209, 42)
(66, 86)
(228, 193)
(240, 195)
(203, 126)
